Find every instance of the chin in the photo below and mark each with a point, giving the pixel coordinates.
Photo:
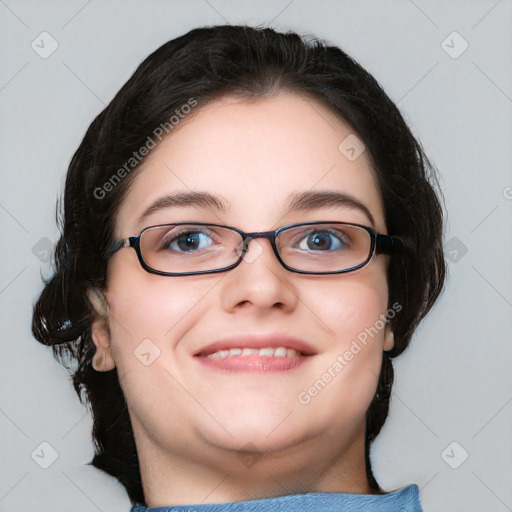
(258, 430)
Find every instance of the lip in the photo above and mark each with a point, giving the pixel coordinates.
(256, 363)
(258, 341)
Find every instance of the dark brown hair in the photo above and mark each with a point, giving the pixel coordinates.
(204, 65)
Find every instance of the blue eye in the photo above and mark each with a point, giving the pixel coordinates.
(188, 241)
(324, 241)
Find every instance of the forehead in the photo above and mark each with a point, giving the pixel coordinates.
(254, 155)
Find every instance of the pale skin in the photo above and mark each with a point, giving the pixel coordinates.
(190, 423)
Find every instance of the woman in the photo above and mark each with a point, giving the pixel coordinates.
(250, 234)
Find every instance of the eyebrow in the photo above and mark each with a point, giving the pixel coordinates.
(304, 201)
(186, 199)
(311, 200)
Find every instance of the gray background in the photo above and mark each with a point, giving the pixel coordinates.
(452, 385)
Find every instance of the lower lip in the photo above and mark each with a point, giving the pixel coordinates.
(255, 363)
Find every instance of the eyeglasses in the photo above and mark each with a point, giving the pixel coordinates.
(186, 248)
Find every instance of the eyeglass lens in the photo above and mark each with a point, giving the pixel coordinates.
(322, 247)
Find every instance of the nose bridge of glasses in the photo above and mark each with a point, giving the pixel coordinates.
(252, 254)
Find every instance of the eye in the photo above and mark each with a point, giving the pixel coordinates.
(187, 241)
(324, 240)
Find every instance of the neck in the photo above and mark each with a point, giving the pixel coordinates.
(214, 475)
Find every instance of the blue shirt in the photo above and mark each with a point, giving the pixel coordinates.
(403, 500)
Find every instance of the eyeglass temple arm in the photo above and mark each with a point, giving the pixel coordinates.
(389, 244)
(118, 244)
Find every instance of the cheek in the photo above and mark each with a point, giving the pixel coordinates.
(149, 307)
(347, 373)
(351, 304)
(149, 315)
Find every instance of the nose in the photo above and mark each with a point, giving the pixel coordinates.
(260, 280)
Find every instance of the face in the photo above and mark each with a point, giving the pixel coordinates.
(254, 155)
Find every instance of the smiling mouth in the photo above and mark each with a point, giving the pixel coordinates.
(262, 352)
(265, 359)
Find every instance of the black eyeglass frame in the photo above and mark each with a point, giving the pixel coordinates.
(380, 244)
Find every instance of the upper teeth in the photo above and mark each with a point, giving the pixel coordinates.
(267, 352)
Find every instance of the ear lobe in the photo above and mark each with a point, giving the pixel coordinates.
(103, 360)
(389, 338)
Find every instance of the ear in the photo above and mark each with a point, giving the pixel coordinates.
(389, 338)
(103, 360)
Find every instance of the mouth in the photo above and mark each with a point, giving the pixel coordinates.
(263, 353)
